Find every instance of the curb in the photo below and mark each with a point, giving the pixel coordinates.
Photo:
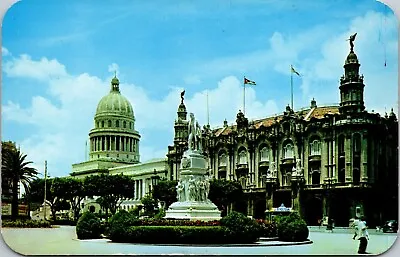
(267, 243)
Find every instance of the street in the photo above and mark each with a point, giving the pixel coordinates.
(63, 241)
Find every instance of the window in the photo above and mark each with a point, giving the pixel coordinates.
(357, 143)
(124, 124)
(109, 123)
(288, 151)
(341, 144)
(264, 154)
(117, 123)
(315, 147)
(102, 124)
(242, 157)
(222, 160)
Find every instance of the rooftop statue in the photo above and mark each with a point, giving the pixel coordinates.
(352, 39)
(182, 96)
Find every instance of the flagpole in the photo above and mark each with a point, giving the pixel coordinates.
(244, 96)
(291, 84)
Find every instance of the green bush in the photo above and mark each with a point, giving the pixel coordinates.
(119, 221)
(242, 228)
(292, 228)
(89, 226)
(26, 224)
(268, 228)
(172, 235)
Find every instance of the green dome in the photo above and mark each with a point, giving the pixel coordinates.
(114, 103)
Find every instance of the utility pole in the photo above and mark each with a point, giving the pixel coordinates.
(45, 189)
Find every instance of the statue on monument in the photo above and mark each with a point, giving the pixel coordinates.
(192, 189)
(352, 39)
(180, 188)
(194, 140)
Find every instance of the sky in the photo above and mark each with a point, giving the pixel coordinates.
(58, 58)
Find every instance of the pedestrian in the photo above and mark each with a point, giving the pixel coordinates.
(363, 236)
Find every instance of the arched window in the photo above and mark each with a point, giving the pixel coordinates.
(102, 124)
(130, 125)
(124, 124)
(109, 123)
(315, 147)
(288, 151)
(222, 160)
(97, 124)
(243, 157)
(117, 123)
(264, 154)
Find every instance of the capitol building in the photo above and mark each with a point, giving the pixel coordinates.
(338, 161)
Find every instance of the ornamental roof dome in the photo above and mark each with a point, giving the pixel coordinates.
(351, 58)
(114, 103)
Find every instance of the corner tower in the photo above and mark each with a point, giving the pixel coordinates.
(351, 84)
(114, 137)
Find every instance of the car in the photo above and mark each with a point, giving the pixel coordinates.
(390, 226)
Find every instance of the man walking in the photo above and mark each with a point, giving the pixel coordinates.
(362, 236)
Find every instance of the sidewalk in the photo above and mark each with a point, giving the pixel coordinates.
(346, 230)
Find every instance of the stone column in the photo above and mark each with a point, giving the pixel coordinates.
(348, 158)
(364, 158)
(325, 159)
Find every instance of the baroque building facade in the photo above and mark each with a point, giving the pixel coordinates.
(324, 161)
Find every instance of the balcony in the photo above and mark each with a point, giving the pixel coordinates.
(314, 158)
(263, 163)
(287, 161)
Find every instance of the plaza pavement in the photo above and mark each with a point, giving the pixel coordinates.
(63, 241)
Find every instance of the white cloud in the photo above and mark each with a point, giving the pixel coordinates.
(4, 51)
(43, 69)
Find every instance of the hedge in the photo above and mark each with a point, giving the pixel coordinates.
(173, 235)
(26, 224)
(233, 228)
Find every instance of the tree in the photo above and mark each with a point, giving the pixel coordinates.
(55, 194)
(74, 194)
(111, 190)
(225, 192)
(16, 169)
(149, 205)
(165, 191)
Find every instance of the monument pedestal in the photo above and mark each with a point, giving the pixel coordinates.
(192, 190)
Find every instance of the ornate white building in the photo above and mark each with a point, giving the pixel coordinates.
(114, 148)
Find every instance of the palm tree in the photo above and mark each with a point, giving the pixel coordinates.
(16, 169)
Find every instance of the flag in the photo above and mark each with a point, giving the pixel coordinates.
(294, 71)
(249, 82)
